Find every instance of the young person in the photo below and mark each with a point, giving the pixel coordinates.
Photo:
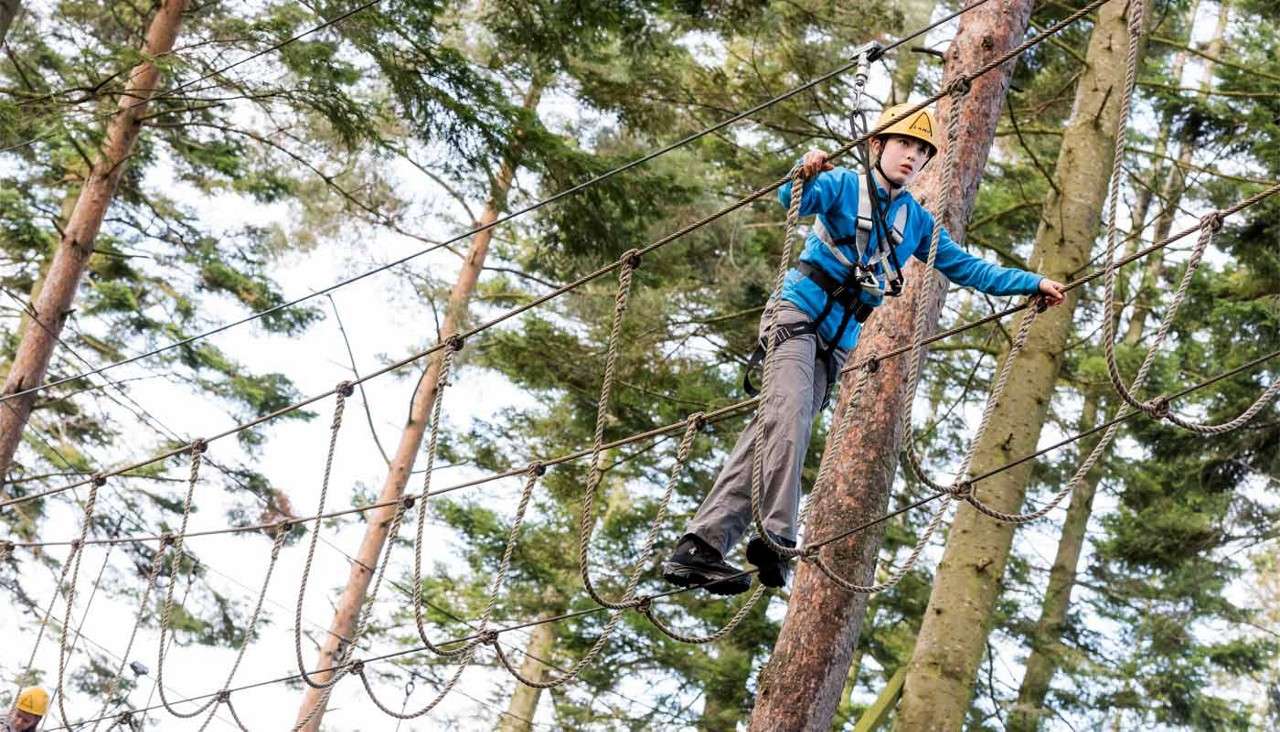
(866, 225)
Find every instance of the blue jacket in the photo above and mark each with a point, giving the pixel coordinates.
(833, 196)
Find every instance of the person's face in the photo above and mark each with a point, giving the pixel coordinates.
(901, 158)
(21, 721)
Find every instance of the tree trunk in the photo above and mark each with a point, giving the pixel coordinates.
(957, 621)
(915, 14)
(1046, 642)
(524, 699)
(800, 687)
(375, 536)
(8, 9)
(40, 335)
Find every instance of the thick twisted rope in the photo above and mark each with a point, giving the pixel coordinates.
(342, 392)
(73, 562)
(962, 489)
(694, 424)
(581, 281)
(157, 561)
(166, 615)
(646, 609)
(596, 470)
(1157, 407)
(770, 341)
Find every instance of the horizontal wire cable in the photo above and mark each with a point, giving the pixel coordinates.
(1244, 203)
(638, 602)
(500, 220)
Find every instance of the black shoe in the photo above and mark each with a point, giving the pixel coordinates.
(774, 568)
(698, 564)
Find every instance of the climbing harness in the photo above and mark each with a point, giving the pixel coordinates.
(877, 272)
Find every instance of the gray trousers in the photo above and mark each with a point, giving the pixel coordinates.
(796, 392)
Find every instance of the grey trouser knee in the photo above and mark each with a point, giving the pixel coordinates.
(795, 395)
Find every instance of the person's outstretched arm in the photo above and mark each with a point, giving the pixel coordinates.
(966, 270)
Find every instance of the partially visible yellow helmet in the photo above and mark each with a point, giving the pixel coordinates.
(920, 125)
(33, 700)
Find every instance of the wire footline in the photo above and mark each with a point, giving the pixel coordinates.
(647, 599)
(682, 142)
(491, 633)
(606, 269)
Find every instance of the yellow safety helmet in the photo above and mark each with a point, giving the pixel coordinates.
(920, 125)
(33, 700)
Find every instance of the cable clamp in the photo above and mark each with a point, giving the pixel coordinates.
(1158, 407)
(1212, 221)
(631, 259)
(698, 420)
(959, 87)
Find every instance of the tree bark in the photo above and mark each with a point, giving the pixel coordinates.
(800, 686)
(1046, 642)
(957, 621)
(375, 536)
(524, 699)
(41, 331)
(8, 9)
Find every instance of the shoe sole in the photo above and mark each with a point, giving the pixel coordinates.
(772, 573)
(683, 576)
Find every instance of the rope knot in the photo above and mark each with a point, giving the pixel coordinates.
(198, 446)
(959, 87)
(6, 548)
(456, 342)
(1041, 304)
(357, 667)
(489, 637)
(345, 389)
(76, 544)
(961, 490)
(644, 604)
(538, 469)
(224, 696)
(408, 502)
(1212, 221)
(872, 365)
(631, 259)
(810, 552)
(280, 528)
(167, 540)
(125, 718)
(98, 480)
(698, 420)
(1158, 407)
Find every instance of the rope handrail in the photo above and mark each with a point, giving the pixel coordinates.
(606, 269)
(871, 361)
(682, 142)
